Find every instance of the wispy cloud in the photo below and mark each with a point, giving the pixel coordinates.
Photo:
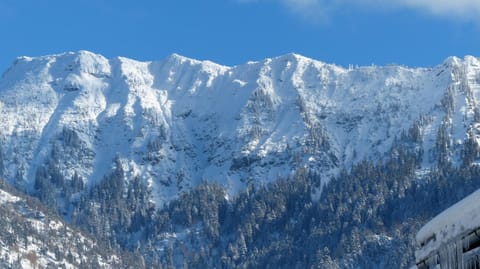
(311, 10)
(321, 10)
(459, 9)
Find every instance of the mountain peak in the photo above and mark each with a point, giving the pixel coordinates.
(294, 57)
(80, 61)
(88, 62)
(177, 57)
(175, 60)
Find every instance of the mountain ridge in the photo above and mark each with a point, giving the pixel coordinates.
(232, 124)
(287, 56)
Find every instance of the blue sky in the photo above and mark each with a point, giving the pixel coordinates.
(363, 32)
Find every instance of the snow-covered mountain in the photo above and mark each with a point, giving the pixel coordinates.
(178, 122)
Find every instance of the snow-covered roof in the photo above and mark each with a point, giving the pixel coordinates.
(453, 222)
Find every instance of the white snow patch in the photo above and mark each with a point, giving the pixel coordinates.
(6, 197)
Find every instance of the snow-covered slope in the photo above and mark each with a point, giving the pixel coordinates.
(32, 238)
(179, 121)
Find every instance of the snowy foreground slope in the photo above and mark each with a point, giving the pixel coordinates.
(178, 122)
(32, 237)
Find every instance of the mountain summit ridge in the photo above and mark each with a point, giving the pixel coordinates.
(183, 58)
